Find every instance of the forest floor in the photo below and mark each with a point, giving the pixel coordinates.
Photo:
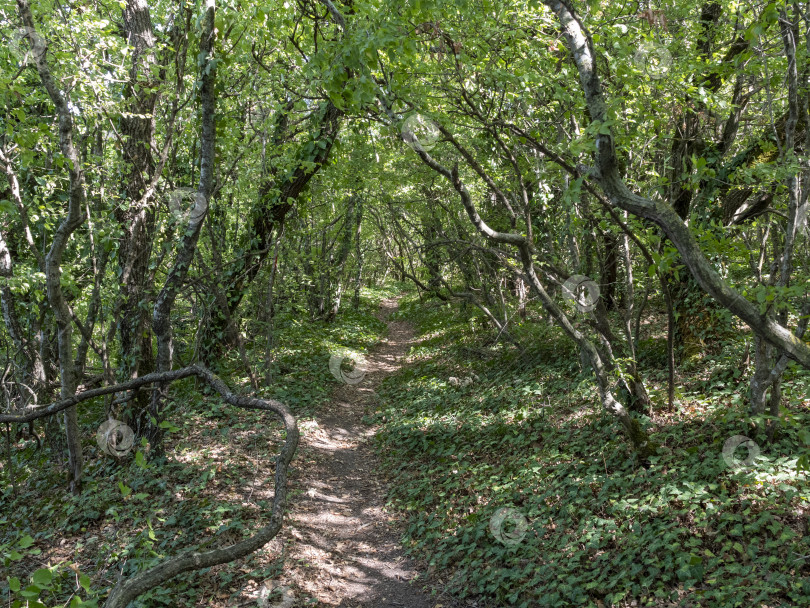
(343, 547)
(505, 499)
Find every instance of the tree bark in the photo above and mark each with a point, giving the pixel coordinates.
(136, 216)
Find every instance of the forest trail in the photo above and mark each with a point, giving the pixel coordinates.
(343, 548)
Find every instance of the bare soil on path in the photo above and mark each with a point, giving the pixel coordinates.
(342, 545)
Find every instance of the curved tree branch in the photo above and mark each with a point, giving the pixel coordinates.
(128, 590)
(638, 437)
(660, 213)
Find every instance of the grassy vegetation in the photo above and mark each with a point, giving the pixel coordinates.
(587, 524)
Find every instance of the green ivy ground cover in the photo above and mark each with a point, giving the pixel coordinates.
(587, 524)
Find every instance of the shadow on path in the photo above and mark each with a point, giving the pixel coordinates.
(344, 548)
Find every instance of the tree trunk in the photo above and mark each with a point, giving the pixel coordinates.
(161, 316)
(610, 270)
(274, 201)
(137, 216)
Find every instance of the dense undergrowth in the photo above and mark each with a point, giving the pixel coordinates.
(214, 486)
(587, 525)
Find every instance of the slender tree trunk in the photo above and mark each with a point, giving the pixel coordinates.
(161, 316)
(610, 270)
(53, 261)
(274, 202)
(270, 311)
(34, 373)
(358, 272)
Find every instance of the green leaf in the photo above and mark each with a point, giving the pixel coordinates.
(125, 490)
(140, 460)
(168, 426)
(14, 583)
(31, 592)
(42, 577)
